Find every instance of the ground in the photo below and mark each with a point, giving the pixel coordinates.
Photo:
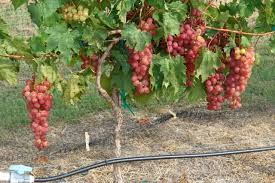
(194, 131)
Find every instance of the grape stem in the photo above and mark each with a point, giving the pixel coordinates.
(22, 57)
(115, 108)
(113, 32)
(240, 32)
(16, 57)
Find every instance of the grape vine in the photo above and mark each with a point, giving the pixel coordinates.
(144, 48)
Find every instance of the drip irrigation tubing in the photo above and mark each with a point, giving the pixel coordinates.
(113, 161)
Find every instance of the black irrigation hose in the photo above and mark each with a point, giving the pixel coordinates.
(150, 158)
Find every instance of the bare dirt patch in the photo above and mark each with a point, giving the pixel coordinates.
(196, 130)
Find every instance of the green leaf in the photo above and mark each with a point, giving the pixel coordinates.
(95, 38)
(122, 80)
(4, 30)
(197, 4)
(245, 42)
(123, 7)
(231, 44)
(63, 40)
(160, 4)
(207, 63)
(167, 72)
(107, 19)
(135, 38)
(196, 92)
(8, 71)
(18, 3)
(74, 88)
(43, 9)
(170, 24)
(171, 17)
(120, 58)
(49, 72)
(37, 44)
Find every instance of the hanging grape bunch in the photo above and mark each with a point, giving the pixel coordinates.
(140, 61)
(214, 91)
(73, 13)
(39, 103)
(188, 42)
(240, 65)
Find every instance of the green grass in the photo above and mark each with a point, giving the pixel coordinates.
(13, 111)
(262, 82)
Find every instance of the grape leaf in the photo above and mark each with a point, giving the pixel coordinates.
(123, 7)
(135, 38)
(18, 3)
(49, 72)
(167, 72)
(231, 44)
(63, 40)
(207, 63)
(37, 44)
(160, 4)
(197, 4)
(95, 38)
(3, 29)
(245, 42)
(8, 71)
(196, 92)
(43, 9)
(74, 88)
(121, 80)
(121, 74)
(107, 19)
(120, 58)
(171, 17)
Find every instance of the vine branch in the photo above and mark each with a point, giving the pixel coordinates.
(115, 107)
(240, 32)
(103, 92)
(16, 57)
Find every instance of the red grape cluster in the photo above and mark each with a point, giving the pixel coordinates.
(240, 66)
(87, 61)
(188, 42)
(220, 40)
(39, 103)
(214, 91)
(140, 61)
(148, 26)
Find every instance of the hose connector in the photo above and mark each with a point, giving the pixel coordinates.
(17, 174)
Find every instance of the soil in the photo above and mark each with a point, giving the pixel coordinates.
(195, 130)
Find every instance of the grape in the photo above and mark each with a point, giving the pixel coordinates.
(188, 42)
(140, 61)
(73, 13)
(220, 40)
(87, 61)
(214, 91)
(240, 66)
(39, 103)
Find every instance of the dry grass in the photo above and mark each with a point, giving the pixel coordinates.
(234, 130)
